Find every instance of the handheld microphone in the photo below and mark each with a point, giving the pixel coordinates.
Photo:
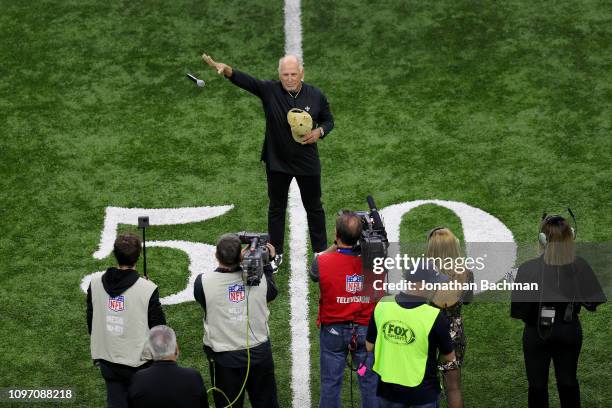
(197, 81)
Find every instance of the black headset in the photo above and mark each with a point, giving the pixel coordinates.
(431, 232)
(555, 219)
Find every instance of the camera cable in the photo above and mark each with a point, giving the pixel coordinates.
(246, 376)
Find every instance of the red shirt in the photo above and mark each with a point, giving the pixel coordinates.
(347, 295)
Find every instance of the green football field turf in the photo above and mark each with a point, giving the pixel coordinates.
(502, 105)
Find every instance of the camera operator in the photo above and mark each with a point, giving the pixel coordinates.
(236, 330)
(346, 303)
(552, 330)
(121, 308)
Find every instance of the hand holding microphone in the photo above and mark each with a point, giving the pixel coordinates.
(221, 68)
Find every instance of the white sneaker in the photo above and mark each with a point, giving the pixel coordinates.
(276, 262)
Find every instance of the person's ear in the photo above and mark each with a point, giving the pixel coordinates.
(177, 351)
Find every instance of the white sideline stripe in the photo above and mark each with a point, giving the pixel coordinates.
(298, 300)
(293, 29)
(298, 227)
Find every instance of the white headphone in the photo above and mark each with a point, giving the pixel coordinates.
(554, 219)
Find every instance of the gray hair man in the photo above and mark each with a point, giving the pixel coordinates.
(162, 341)
(165, 384)
(290, 146)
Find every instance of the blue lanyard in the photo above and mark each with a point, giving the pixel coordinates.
(346, 251)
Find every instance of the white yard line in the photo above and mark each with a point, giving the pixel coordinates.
(293, 28)
(298, 232)
(298, 300)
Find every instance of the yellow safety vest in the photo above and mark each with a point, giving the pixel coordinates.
(402, 342)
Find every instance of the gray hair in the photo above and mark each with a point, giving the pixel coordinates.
(162, 340)
(288, 58)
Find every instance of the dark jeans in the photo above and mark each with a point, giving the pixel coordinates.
(278, 193)
(261, 385)
(563, 348)
(118, 378)
(334, 341)
(391, 404)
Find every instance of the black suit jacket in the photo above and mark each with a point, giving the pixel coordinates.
(165, 384)
(280, 152)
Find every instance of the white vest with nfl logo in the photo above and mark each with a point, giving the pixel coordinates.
(120, 327)
(225, 320)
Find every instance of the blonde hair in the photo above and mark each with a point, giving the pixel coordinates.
(559, 248)
(443, 245)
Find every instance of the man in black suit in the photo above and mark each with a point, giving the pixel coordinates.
(165, 384)
(289, 153)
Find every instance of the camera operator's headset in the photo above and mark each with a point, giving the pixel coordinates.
(248, 349)
(543, 239)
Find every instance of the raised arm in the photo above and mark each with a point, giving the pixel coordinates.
(238, 78)
(221, 68)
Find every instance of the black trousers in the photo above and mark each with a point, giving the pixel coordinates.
(278, 193)
(563, 348)
(261, 384)
(118, 378)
